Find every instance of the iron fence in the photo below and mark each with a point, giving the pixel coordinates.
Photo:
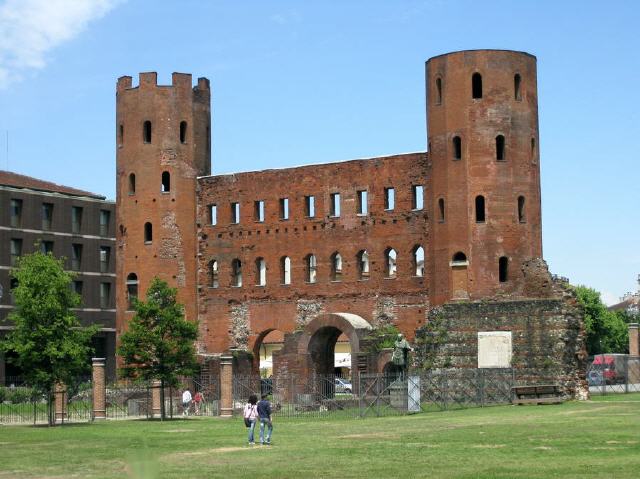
(128, 399)
(613, 374)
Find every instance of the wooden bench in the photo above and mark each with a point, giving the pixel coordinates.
(537, 394)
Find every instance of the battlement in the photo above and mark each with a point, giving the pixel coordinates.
(148, 80)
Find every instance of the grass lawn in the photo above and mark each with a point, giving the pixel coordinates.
(599, 439)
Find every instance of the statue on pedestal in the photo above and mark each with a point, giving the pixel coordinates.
(400, 355)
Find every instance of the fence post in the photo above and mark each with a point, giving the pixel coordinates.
(156, 411)
(226, 386)
(99, 389)
(60, 400)
(634, 344)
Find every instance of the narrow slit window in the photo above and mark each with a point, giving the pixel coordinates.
(213, 215)
(480, 213)
(391, 259)
(213, 272)
(121, 134)
(521, 210)
(235, 213)
(261, 272)
(146, 132)
(418, 261)
(363, 265)
(438, 91)
(310, 206)
(285, 270)
(311, 268)
(258, 207)
(516, 87)
(441, 210)
(236, 273)
(417, 197)
(500, 148)
(132, 290)
(476, 85)
(335, 205)
(457, 148)
(166, 182)
(183, 132)
(362, 202)
(336, 267)
(503, 269)
(284, 208)
(132, 184)
(389, 198)
(533, 150)
(148, 232)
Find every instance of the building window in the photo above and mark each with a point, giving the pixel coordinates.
(16, 251)
(235, 213)
(76, 257)
(132, 291)
(311, 266)
(148, 233)
(183, 132)
(476, 85)
(213, 274)
(336, 267)
(76, 219)
(500, 148)
(441, 211)
(480, 216)
(46, 247)
(105, 216)
(516, 87)
(258, 212)
(146, 132)
(335, 205)
(285, 270)
(121, 134)
(236, 273)
(105, 255)
(213, 215)
(457, 148)
(418, 260)
(521, 211)
(284, 208)
(47, 216)
(261, 272)
(310, 206)
(362, 202)
(389, 198)
(417, 197)
(105, 295)
(16, 213)
(390, 263)
(132, 184)
(438, 91)
(363, 264)
(76, 287)
(459, 258)
(533, 150)
(165, 187)
(503, 269)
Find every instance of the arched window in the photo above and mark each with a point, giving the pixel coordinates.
(390, 262)
(418, 260)
(516, 87)
(285, 270)
(236, 273)
(480, 216)
(148, 232)
(459, 257)
(438, 91)
(476, 85)
(521, 211)
(363, 264)
(146, 131)
(311, 266)
(166, 182)
(336, 267)
(500, 148)
(503, 269)
(183, 132)
(132, 184)
(441, 210)
(261, 272)
(457, 148)
(213, 274)
(132, 290)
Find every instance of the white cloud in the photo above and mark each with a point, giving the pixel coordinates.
(29, 29)
(609, 298)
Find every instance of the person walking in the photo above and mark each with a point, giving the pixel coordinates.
(197, 403)
(264, 414)
(186, 402)
(250, 416)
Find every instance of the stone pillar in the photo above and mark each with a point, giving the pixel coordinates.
(226, 386)
(156, 400)
(99, 389)
(60, 402)
(634, 344)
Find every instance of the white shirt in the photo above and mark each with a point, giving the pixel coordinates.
(186, 396)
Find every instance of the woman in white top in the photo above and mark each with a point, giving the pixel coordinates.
(251, 416)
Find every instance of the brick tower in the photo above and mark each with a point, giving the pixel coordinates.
(482, 112)
(163, 144)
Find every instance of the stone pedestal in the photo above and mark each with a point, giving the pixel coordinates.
(99, 389)
(60, 402)
(226, 386)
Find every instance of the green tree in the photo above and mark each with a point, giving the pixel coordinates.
(159, 342)
(47, 342)
(606, 331)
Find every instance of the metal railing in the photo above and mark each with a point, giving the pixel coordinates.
(613, 374)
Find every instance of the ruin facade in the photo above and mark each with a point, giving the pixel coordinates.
(344, 248)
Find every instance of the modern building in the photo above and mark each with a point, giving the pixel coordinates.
(69, 223)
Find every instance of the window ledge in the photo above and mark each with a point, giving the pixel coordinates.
(390, 277)
(148, 242)
(459, 263)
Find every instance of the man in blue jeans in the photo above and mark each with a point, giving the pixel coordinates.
(264, 414)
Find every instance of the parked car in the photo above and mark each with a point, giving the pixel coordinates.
(607, 369)
(343, 386)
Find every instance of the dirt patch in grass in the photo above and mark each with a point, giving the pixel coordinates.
(178, 430)
(543, 448)
(214, 451)
(370, 436)
(488, 446)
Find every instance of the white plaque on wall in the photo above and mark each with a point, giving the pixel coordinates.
(494, 349)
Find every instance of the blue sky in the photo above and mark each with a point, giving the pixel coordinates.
(297, 82)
